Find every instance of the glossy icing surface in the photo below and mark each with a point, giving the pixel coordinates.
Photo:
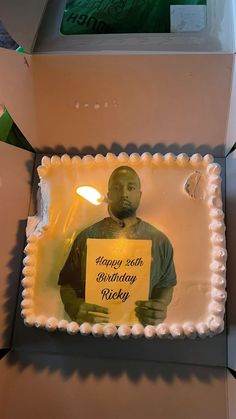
(181, 196)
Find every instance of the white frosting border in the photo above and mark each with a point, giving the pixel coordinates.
(214, 323)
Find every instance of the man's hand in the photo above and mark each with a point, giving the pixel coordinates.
(150, 312)
(154, 311)
(91, 313)
(79, 310)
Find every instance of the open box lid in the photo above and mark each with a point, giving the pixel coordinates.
(94, 103)
(72, 97)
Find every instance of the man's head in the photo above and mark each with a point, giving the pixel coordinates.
(124, 192)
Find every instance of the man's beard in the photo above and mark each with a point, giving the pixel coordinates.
(124, 213)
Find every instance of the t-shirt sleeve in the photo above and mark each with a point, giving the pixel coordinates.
(167, 273)
(71, 271)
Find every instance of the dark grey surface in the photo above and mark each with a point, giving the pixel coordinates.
(6, 40)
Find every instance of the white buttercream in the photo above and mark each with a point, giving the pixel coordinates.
(135, 158)
(66, 160)
(182, 159)
(29, 321)
(218, 239)
(219, 295)
(111, 158)
(215, 202)
(170, 158)
(149, 332)
(218, 281)
(55, 161)
(217, 225)
(27, 303)
(146, 158)
(124, 331)
(190, 330)
(158, 158)
(216, 213)
(40, 321)
(123, 157)
(100, 159)
(137, 330)
(213, 169)
(72, 328)
(176, 331)
(62, 325)
(27, 282)
(27, 312)
(85, 329)
(216, 325)
(109, 331)
(162, 330)
(51, 324)
(76, 161)
(196, 159)
(202, 330)
(217, 267)
(88, 160)
(97, 330)
(219, 253)
(208, 159)
(216, 308)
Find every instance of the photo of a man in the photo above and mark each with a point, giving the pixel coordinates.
(124, 195)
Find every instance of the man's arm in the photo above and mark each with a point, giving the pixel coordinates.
(72, 291)
(154, 311)
(80, 311)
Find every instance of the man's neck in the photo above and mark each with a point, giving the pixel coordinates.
(130, 221)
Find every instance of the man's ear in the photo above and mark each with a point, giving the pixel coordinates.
(108, 197)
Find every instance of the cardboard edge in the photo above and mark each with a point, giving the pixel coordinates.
(231, 246)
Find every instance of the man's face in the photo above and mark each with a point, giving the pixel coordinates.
(124, 193)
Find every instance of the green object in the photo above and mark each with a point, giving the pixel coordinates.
(10, 133)
(119, 16)
(5, 125)
(21, 49)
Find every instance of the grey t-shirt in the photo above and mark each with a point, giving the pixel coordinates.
(162, 273)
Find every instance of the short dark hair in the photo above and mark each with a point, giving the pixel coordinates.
(121, 168)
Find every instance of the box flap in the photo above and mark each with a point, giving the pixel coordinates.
(16, 90)
(22, 19)
(16, 166)
(95, 103)
(231, 246)
(62, 386)
(231, 125)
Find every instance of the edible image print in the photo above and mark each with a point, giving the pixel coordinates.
(121, 268)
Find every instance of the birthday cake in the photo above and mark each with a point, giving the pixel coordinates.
(128, 246)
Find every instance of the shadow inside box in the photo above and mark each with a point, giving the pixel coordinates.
(15, 267)
(135, 370)
(39, 349)
(116, 148)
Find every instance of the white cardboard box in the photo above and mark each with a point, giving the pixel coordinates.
(148, 101)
